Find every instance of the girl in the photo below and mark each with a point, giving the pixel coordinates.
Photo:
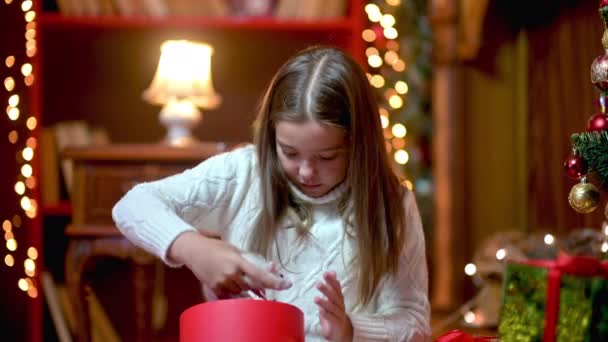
(316, 195)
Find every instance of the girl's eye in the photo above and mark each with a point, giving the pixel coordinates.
(328, 158)
(289, 154)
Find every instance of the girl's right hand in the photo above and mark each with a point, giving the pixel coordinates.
(221, 266)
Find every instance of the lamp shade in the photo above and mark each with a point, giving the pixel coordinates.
(183, 74)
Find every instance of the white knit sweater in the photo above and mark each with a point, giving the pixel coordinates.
(222, 195)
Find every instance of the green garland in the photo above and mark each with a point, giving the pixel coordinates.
(593, 148)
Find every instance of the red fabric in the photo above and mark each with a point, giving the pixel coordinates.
(573, 265)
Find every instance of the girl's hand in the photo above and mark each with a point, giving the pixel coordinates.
(221, 266)
(335, 323)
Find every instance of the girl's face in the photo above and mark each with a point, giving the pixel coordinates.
(313, 155)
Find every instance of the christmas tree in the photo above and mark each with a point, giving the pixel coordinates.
(589, 159)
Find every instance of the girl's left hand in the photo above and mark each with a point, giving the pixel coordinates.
(335, 323)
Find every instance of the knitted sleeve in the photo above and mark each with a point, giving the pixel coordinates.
(403, 306)
(206, 197)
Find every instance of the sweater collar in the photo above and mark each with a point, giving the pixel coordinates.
(329, 197)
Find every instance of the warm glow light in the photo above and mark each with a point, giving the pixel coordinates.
(401, 87)
(31, 213)
(370, 51)
(7, 226)
(393, 2)
(26, 170)
(549, 239)
(368, 35)
(20, 188)
(374, 61)
(13, 113)
(470, 269)
(9, 260)
(399, 65)
(23, 285)
(501, 254)
(8, 236)
(183, 72)
(384, 121)
(373, 13)
(29, 80)
(28, 153)
(13, 136)
(606, 229)
(26, 69)
(391, 57)
(29, 35)
(30, 267)
(402, 157)
(387, 21)
(31, 142)
(31, 123)
(9, 61)
(469, 317)
(30, 182)
(32, 292)
(605, 247)
(398, 143)
(32, 253)
(11, 245)
(26, 204)
(17, 221)
(9, 84)
(390, 33)
(409, 185)
(392, 45)
(30, 16)
(26, 5)
(399, 130)
(395, 101)
(377, 81)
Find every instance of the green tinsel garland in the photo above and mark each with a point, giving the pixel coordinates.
(593, 147)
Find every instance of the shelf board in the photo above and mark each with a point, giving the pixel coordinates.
(231, 23)
(63, 208)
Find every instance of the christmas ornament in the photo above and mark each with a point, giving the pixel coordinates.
(598, 122)
(599, 72)
(584, 197)
(575, 165)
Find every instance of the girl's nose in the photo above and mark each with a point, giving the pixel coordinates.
(306, 171)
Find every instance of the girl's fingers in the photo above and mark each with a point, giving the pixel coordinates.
(329, 306)
(331, 295)
(332, 280)
(259, 278)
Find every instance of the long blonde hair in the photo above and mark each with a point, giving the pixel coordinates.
(326, 85)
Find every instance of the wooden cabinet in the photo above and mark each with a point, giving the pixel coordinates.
(102, 175)
(95, 68)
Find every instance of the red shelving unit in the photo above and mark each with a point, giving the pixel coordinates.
(258, 23)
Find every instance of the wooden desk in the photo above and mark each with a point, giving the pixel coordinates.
(102, 175)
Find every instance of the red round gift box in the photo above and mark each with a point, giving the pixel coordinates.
(244, 320)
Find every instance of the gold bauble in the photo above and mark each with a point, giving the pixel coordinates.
(584, 198)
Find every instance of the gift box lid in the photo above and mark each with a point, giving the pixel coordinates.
(242, 320)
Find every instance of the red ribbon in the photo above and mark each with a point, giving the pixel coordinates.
(573, 265)
(460, 336)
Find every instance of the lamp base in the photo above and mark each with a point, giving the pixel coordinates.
(180, 117)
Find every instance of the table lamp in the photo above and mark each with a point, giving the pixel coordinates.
(182, 84)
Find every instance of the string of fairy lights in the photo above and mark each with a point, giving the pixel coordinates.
(22, 137)
(383, 27)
